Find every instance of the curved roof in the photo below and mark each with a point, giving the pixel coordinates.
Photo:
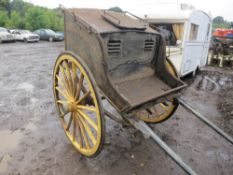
(164, 13)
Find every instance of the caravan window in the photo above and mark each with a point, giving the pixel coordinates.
(193, 32)
(171, 32)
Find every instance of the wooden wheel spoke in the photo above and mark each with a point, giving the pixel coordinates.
(62, 83)
(164, 106)
(63, 114)
(65, 78)
(80, 84)
(89, 132)
(79, 131)
(83, 87)
(84, 136)
(68, 73)
(88, 119)
(64, 94)
(70, 121)
(74, 75)
(89, 108)
(84, 97)
(62, 102)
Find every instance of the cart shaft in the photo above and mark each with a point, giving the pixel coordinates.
(188, 107)
(148, 132)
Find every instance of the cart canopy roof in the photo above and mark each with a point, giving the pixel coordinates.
(104, 21)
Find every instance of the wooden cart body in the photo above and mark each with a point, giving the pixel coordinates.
(125, 56)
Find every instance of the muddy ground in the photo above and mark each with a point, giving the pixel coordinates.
(33, 142)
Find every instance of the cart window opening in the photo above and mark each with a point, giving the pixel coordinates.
(193, 32)
(149, 45)
(172, 32)
(114, 47)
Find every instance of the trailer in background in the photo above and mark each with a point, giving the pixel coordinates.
(221, 48)
(187, 32)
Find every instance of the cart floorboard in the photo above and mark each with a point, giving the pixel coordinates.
(143, 89)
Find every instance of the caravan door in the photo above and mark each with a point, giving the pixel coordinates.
(206, 46)
(196, 42)
(193, 48)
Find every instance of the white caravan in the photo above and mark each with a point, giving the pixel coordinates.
(187, 32)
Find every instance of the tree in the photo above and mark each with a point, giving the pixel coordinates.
(116, 9)
(18, 6)
(24, 15)
(219, 22)
(16, 21)
(3, 18)
(35, 18)
(4, 4)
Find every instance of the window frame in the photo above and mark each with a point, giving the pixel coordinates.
(193, 32)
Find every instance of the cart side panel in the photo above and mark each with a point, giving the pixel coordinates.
(161, 69)
(88, 45)
(84, 44)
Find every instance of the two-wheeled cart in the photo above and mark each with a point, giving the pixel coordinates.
(117, 57)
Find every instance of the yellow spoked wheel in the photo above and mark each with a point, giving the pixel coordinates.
(78, 104)
(162, 111)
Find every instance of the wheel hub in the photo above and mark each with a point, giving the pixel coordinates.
(73, 106)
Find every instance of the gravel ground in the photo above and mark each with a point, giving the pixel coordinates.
(33, 142)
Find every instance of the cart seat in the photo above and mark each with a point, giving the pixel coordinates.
(143, 87)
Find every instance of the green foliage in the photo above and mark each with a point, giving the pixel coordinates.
(3, 18)
(15, 21)
(219, 22)
(24, 15)
(116, 9)
(4, 4)
(19, 6)
(43, 18)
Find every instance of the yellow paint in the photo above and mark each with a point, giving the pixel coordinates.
(87, 131)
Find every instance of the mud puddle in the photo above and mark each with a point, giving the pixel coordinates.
(10, 140)
(215, 88)
(4, 163)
